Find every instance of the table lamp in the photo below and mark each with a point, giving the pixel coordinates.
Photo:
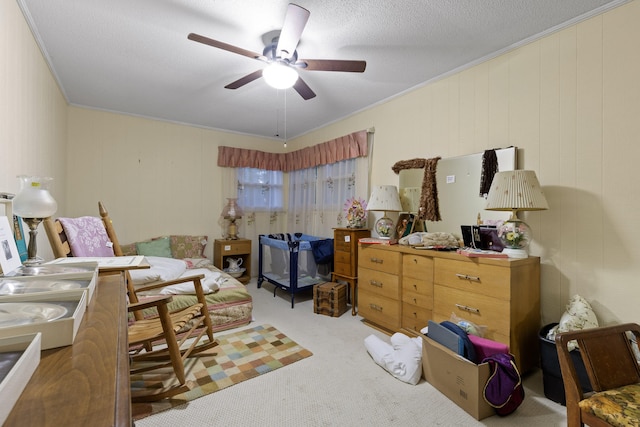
(515, 191)
(231, 213)
(33, 204)
(384, 198)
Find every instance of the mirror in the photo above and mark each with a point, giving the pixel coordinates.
(458, 181)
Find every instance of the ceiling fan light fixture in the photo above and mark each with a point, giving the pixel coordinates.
(280, 76)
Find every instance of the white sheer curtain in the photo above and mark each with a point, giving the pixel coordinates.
(317, 196)
(263, 210)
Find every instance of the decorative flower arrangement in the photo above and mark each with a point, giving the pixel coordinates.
(514, 234)
(356, 212)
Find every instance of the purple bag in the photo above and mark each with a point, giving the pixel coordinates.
(504, 389)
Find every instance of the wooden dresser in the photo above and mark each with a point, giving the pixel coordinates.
(87, 383)
(402, 288)
(345, 258)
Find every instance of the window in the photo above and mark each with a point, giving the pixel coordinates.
(260, 190)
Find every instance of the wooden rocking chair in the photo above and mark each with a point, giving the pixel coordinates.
(159, 341)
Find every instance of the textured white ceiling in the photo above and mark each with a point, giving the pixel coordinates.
(133, 56)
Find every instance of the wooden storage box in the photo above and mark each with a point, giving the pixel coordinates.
(330, 299)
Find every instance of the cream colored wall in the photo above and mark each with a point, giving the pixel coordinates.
(33, 113)
(571, 103)
(155, 178)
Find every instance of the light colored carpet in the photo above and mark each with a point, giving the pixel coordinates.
(340, 385)
(239, 356)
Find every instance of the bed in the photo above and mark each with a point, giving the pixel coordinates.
(294, 262)
(230, 304)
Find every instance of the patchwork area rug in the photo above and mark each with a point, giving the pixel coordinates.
(240, 356)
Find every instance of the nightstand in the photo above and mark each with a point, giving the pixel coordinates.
(239, 248)
(345, 259)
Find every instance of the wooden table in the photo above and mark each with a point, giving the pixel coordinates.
(87, 383)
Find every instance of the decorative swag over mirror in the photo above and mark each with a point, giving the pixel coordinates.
(338, 149)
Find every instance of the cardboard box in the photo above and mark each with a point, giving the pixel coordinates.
(459, 379)
(20, 355)
(60, 331)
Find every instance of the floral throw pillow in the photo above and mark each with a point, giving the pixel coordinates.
(579, 315)
(183, 246)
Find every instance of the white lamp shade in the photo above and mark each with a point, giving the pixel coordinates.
(279, 76)
(34, 199)
(384, 198)
(517, 190)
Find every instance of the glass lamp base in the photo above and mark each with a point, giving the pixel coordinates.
(516, 253)
(384, 227)
(515, 235)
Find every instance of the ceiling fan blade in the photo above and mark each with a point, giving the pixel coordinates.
(333, 65)
(244, 80)
(303, 89)
(294, 22)
(224, 46)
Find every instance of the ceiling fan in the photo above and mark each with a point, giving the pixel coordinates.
(282, 56)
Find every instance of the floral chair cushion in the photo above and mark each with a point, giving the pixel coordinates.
(618, 407)
(87, 237)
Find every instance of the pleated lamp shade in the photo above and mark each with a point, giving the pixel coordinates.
(384, 198)
(514, 191)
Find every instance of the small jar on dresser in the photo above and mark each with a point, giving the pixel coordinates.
(345, 259)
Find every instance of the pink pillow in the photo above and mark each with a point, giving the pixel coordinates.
(87, 237)
(485, 347)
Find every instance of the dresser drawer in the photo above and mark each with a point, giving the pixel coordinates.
(415, 318)
(479, 309)
(342, 257)
(379, 310)
(468, 276)
(420, 300)
(342, 241)
(235, 247)
(379, 259)
(343, 269)
(419, 267)
(376, 282)
(419, 286)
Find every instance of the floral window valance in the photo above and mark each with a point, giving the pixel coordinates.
(342, 148)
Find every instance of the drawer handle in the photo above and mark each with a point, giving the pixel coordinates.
(375, 283)
(467, 277)
(469, 309)
(375, 307)
(376, 260)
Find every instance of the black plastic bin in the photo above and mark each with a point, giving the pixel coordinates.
(551, 375)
